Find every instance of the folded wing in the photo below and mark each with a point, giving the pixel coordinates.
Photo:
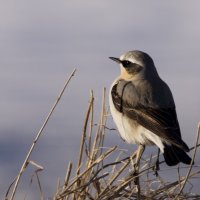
(162, 121)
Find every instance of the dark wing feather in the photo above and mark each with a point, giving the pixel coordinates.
(161, 121)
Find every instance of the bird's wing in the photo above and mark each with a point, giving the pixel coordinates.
(161, 121)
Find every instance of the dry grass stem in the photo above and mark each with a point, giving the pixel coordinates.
(25, 163)
(193, 158)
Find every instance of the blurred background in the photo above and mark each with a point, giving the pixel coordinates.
(42, 41)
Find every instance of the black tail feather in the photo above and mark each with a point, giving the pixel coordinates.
(173, 155)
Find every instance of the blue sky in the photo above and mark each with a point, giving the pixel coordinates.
(43, 41)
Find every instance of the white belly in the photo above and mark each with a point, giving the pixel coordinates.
(131, 131)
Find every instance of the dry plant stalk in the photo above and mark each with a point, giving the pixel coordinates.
(100, 175)
(26, 161)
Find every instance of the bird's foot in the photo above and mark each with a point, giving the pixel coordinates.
(156, 168)
(135, 173)
(135, 170)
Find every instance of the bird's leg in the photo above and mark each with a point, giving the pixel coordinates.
(156, 168)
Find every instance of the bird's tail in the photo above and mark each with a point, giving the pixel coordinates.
(173, 155)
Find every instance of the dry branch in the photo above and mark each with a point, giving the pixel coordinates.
(25, 163)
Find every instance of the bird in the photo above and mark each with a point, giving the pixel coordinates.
(143, 108)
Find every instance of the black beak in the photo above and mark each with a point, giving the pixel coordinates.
(116, 59)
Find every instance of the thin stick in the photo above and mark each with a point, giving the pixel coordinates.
(91, 122)
(83, 139)
(69, 169)
(40, 186)
(38, 135)
(102, 119)
(193, 157)
(84, 135)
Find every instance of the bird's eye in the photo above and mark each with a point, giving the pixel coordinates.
(126, 63)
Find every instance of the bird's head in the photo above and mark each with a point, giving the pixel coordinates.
(135, 65)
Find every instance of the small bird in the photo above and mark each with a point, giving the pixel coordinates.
(143, 108)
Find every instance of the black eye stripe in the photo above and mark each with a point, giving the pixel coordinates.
(132, 68)
(126, 63)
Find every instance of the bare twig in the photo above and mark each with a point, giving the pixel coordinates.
(193, 157)
(84, 135)
(23, 167)
(91, 121)
(40, 186)
(67, 177)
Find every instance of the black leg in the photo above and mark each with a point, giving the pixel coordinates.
(157, 167)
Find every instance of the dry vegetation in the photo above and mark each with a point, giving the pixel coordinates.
(106, 173)
(97, 178)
